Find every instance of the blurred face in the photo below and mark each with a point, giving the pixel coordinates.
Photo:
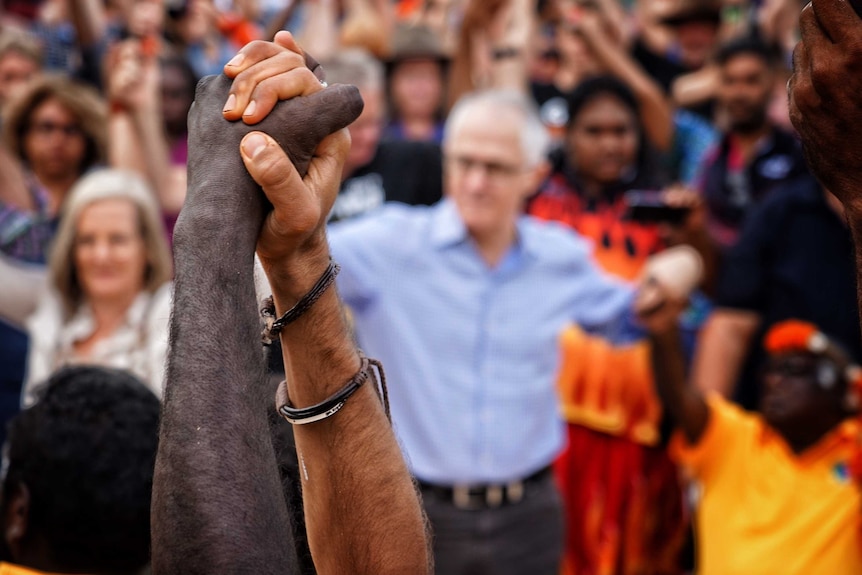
(54, 144)
(792, 397)
(696, 41)
(486, 174)
(177, 98)
(198, 21)
(602, 141)
(365, 132)
(745, 91)
(15, 71)
(109, 254)
(417, 87)
(146, 18)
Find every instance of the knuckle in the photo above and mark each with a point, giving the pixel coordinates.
(257, 47)
(269, 172)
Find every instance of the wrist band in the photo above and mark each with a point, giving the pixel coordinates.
(505, 53)
(333, 404)
(272, 327)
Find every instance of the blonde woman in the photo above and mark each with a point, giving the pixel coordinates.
(108, 297)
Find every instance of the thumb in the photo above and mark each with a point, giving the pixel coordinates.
(296, 208)
(268, 164)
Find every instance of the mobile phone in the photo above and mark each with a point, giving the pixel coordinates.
(647, 207)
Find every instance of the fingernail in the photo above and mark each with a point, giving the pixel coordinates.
(253, 144)
(236, 60)
(230, 104)
(249, 110)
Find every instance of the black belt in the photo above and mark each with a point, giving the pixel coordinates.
(489, 496)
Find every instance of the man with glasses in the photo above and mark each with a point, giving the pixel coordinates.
(463, 302)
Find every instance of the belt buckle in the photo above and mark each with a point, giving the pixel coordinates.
(461, 497)
(515, 491)
(494, 496)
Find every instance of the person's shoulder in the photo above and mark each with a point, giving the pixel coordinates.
(390, 221)
(803, 192)
(785, 140)
(554, 241)
(162, 295)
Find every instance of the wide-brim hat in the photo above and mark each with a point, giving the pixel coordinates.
(686, 11)
(417, 42)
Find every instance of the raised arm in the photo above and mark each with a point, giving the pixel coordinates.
(825, 107)
(217, 502)
(723, 346)
(656, 110)
(374, 508)
(658, 310)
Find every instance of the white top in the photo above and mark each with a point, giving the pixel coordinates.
(139, 344)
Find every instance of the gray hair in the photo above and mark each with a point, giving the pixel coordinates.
(535, 140)
(355, 66)
(105, 184)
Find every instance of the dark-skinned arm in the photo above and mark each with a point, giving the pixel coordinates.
(217, 498)
(659, 313)
(218, 491)
(685, 403)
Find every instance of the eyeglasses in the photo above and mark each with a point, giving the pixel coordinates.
(494, 170)
(47, 128)
(791, 366)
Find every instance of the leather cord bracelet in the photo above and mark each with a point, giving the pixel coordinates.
(272, 327)
(333, 404)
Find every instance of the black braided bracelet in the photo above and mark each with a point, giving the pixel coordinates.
(272, 327)
(333, 404)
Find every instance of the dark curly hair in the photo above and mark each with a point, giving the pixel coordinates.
(86, 452)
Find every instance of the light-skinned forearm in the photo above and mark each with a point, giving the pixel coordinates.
(695, 88)
(723, 345)
(319, 36)
(13, 186)
(363, 515)
(90, 21)
(154, 145)
(125, 151)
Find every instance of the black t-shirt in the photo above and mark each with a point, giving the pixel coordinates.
(406, 172)
(730, 195)
(794, 259)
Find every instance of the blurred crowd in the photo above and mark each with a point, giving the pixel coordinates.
(667, 124)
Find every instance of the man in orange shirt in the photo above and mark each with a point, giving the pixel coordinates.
(776, 490)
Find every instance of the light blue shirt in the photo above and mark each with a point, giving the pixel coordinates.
(471, 352)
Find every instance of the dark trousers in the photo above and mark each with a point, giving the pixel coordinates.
(523, 538)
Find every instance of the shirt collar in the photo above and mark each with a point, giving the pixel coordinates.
(82, 325)
(844, 434)
(448, 229)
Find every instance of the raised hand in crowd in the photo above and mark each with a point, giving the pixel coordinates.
(217, 502)
(605, 45)
(137, 137)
